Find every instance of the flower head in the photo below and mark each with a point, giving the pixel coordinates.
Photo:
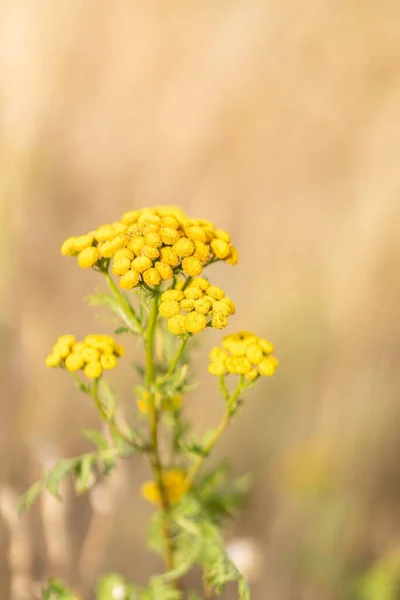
(151, 244)
(198, 305)
(243, 353)
(93, 355)
(175, 486)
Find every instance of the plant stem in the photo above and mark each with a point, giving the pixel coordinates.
(153, 427)
(131, 318)
(178, 355)
(230, 408)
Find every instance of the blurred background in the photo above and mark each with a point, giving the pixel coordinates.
(280, 122)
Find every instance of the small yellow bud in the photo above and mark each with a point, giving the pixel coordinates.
(254, 353)
(172, 295)
(193, 292)
(169, 223)
(165, 270)
(121, 266)
(119, 227)
(110, 247)
(266, 367)
(150, 252)
(62, 349)
(203, 306)
(67, 338)
(195, 322)
(169, 256)
(136, 244)
(169, 308)
(124, 253)
(229, 304)
(217, 354)
(141, 264)
(233, 257)
(187, 304)
(184, 247)
(174, 483)
(201, 283)
(251, 375)
(196, 233)
(68, 247)
(243, 366)
(192, 266)
(130, 217)
(93, 370)
(83, 241)
(217, 368)
(215, 292)
(153, 239)
(266, 346)
(78, 347)
(237, 348)
(151, 277)
(108, 361)
(104, 233)
(220, 308)
(169, 236)
(74, 362)
(220, 248)
(223, 235)
(177, 325)
(53, 360)
(219, 322)
(90, 354)
(128, 280)
(88, 257)
(202, 251)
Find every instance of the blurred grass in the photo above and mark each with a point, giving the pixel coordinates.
(280, 122)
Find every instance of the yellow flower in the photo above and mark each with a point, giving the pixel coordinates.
(108, 361)
(233, 257)
(90, 354)
(136, 244)
(192, 266)
(266, 346)
(68, 247)
(169, 256)
(220, 248)
(195, 322)
(53, 360)
(193, 292)
(217, 368)
(202, 251)
(124, 253)
(175, 486)
(83, 241)
(177, 325)
(121, 265)
(203, 306)
(169, 222)
(67, 338)
(164, 269)
(151, 277)
(215, 292)
(196, 233)
(254, 353)
(169, 308)
(172, 295)
(88, 257)
(219, 322)
(221, 234)
(74, 362)
(104, 233)
(93, 369)
(187, 304)
(184, 247)
(141, 264)
(129, 280)
(62, 349)
(169, 236)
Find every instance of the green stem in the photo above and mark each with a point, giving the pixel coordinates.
(177, 356)
(153, 427)
(230, 408)
(131, 318)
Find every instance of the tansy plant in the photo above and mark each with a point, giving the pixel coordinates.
(152, 260)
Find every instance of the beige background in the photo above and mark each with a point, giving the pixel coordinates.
(280, 122)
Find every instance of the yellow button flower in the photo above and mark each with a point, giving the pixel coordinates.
(121, 265)
(108, 361)
(83, 241)
(169, 256)
(202, 251)
(220, 248)
(169, 308)
(88, 257)
(169, 236)
(129, 280)
(74, 362)
(90, 354)
(67, 338)
(172, 295)
(165, 270)
(187, 304)
(217, 368)
(177, 325)
(151, 277)
(195, 322)
(124, 253)
(192, 266)
(175, 486)
(141, 264)
(215, 292)
(219, 322)
(93, 370)
(203, 306)
(68, 247)
(196, 233)
(184, 247)
(53, 360)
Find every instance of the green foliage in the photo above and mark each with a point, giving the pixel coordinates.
(382, 581)
(56, 590)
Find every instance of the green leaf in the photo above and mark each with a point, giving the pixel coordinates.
(30, 496)
(56, 590)
(160, 590)
(54, 477)
(84, 478)
(121, 329)
(107, 300)
(96, 437)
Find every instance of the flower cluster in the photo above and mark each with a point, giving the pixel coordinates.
(95, 354)
(149, 245)
(243, 353)
(196, 306)
(175, 485)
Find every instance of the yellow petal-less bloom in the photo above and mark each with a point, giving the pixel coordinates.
(169, 308)
(165, 270)
(151, 277)
(220, 248)
(169, 236)
(74, 362)
(129, 280)
(141, 264)
(243, 353)
(88, 257)
(93, 370)
(215, 292)
(108, 361)
(184, 247)
(67, 338)
(121, 265)
(175, 486)
(177, 325)
(169, 256)
(219, 322)
(192, 266)
(53, 360)
(68, 247)
(177, 295)
(195, 322)
(83, 241)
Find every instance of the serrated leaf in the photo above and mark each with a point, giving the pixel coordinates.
(95, 436)
(30, 496)
(54, 477)
(84, 478)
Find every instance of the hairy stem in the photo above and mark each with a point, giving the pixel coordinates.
(131, 318)
(153, 427)
(178, 355)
